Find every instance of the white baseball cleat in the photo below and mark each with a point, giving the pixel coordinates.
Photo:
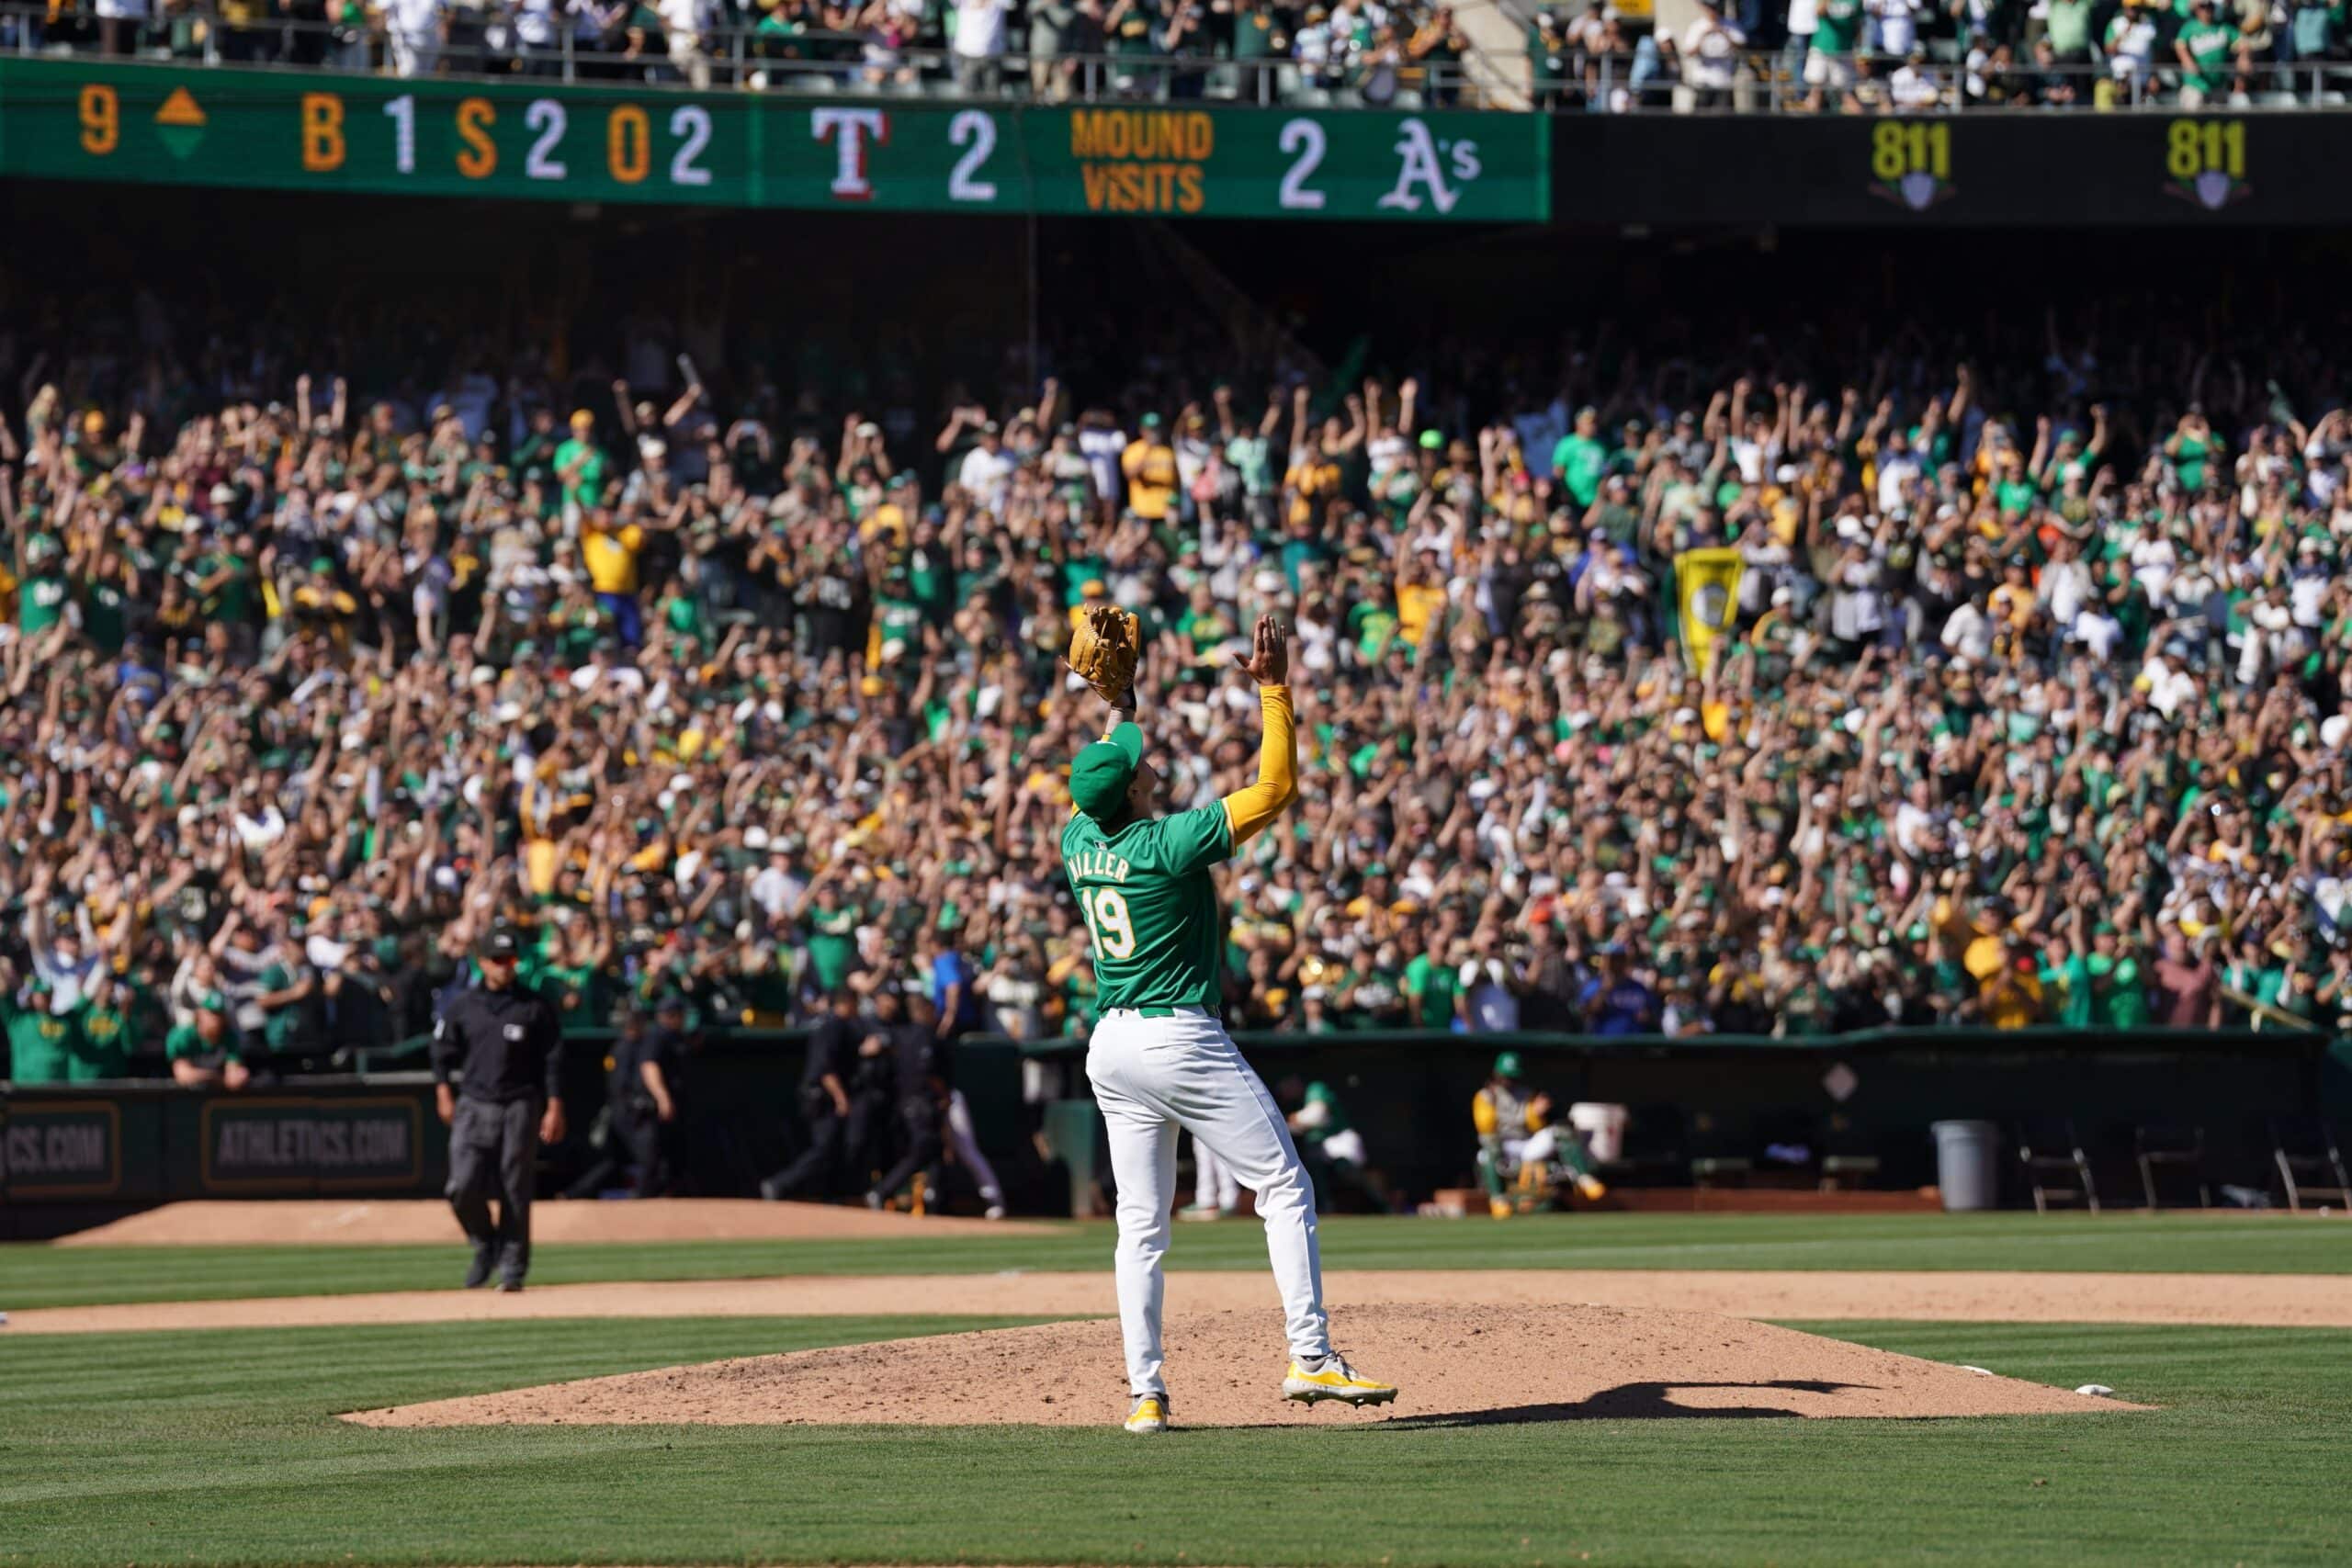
(1333, 1377)
(1150, 1413)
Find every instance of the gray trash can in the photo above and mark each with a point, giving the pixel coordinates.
(1968, 1168)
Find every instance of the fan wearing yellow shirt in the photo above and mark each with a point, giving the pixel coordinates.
(1149, 465)
(609, 550)
(1314, 476)
(1420, 592)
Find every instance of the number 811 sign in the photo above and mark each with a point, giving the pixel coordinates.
(2205, 161)
(1911, 162)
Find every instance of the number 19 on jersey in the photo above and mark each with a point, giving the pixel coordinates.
(1107, 921)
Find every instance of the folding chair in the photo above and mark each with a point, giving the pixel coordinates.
(2307, 1147)
(2050, 1148)
(2177, 1146)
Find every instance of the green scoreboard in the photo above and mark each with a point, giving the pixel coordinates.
(451, 136)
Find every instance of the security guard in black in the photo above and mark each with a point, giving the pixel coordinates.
(507, 1043)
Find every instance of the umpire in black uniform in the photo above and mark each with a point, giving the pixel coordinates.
(840, 1094)
(924, 1062)
(509, 1042)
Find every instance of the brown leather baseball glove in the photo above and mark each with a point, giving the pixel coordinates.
(1104, 651)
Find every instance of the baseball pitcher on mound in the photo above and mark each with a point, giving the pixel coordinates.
(1159, 1059)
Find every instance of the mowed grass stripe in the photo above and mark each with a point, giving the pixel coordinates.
(153, 1447)
(265, 1377)
(39, 1276)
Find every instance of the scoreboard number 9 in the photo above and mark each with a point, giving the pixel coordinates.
(101, 119)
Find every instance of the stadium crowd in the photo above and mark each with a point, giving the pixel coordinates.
(1838, 56)
(1895, 56)
(2028, 706)
(1256, 49)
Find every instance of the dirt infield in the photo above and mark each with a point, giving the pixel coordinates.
(2292, 1301)
(1466, 1365)
(315, 1222)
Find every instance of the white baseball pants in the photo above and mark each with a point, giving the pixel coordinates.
(1152, 1077)
(967, 1146)
(1537, 1149)
(1212, 1183)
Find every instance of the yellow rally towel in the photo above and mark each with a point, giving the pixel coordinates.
(1707, 589)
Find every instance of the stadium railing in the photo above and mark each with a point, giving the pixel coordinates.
(488, 44)
(1774, 83)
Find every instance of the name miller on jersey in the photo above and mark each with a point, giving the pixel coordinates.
(1097, 861)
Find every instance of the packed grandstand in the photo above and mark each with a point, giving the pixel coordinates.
(1709, 686)
(1797, 56)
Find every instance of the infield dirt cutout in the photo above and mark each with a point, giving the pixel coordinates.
(1464, 1364)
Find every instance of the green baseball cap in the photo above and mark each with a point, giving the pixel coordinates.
(1506, 1065)
(1100, 774)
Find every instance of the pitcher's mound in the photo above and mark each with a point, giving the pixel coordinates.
(1457, 1363)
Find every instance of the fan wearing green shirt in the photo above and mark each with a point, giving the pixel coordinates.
(1249, 449)
(1160, 1060)
(1430, 988)
(580, 466)
(41, 588)
(102, 1029)
(1579, 458)
(2098, 986)
(2192, 447)
(832, 937)
(2205, 48)
(40, 1043)
(1829, 64)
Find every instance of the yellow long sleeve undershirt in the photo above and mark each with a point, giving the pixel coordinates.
(1246, 811)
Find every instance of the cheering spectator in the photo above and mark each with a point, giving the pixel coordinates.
(415, 32)
(978, 44)
(299, 698)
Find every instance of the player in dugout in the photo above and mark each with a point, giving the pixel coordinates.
(1518, 1140)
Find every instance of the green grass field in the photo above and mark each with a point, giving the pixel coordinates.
(221, 1448)
(43, 1275)
(221, 1445)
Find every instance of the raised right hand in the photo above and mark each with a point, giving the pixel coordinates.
(1268, 660)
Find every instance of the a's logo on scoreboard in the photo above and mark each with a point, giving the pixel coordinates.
(1430, 168)
(1911, 163)
(2205, 161)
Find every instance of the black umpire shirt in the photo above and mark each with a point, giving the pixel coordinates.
(509, 1043)
(665, 1048)
(833, 1049)
(921, 1056)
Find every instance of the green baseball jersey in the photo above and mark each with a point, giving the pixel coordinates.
(1150, 906)
(104, 1038)
(40, 1044)
(832, 943)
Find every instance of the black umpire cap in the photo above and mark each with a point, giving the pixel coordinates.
(500, 945)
